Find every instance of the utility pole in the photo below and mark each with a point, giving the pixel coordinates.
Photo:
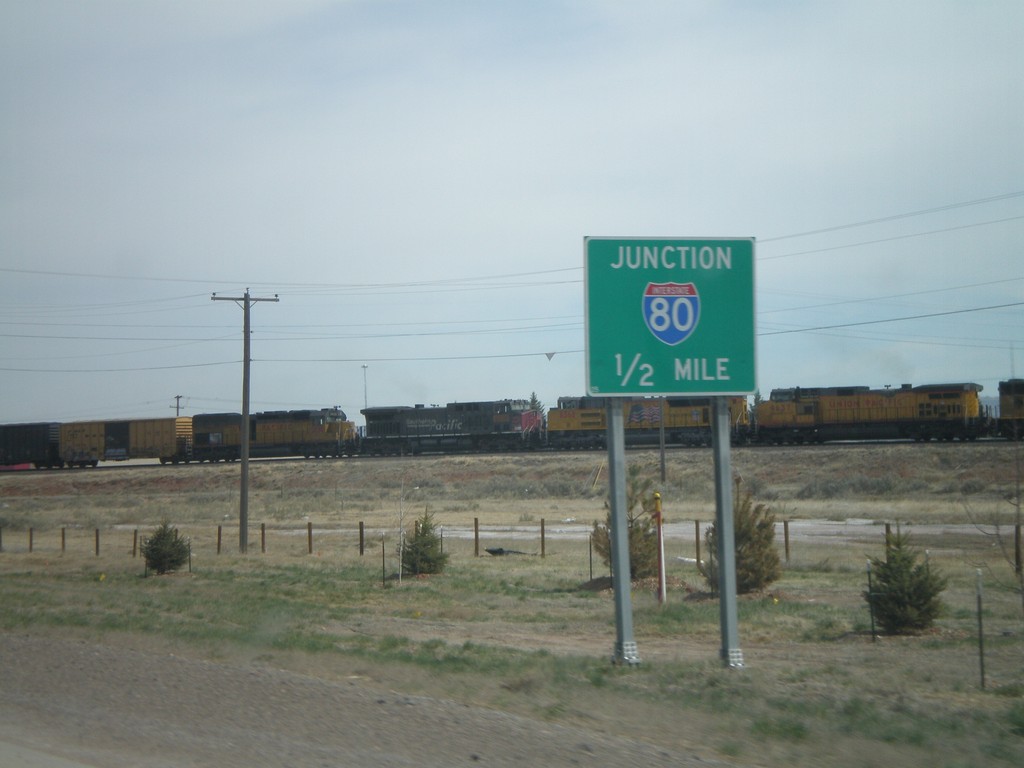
(177, 405)
(243, 505)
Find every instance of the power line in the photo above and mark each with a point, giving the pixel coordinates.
(471, 283)
(812, 329)
(893, 319)
(887, 239)
(895, 217)
(840, 302)
(549, 355)
(119, 370)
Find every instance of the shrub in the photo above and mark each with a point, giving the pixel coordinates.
(643, 536)
(904, 593)
(421, 553)
(757, 559)
(165, 550)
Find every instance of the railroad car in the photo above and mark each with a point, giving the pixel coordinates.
(326, 432)
(217, 436)
(82, 443)
(1011, 409)
(490, 425)
(581, 423)
(86, 443)
(821, 414)
(35, 444)
(308, 433)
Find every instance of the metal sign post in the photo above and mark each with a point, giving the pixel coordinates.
(731, 653)
(625, 645)
(659, 520)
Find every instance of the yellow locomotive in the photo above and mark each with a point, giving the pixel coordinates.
(581, 423)
(1011, 409)
(820, 414)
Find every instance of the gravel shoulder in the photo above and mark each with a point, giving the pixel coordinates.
(68, 703)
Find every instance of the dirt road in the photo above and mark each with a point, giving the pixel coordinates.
(66, 703)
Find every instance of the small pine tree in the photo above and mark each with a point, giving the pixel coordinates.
(165, 550)
(643, 536)
(904, 593)
(421, 553)
(757, 559)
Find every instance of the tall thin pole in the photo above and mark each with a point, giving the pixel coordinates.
(243, 504)
(731, 654)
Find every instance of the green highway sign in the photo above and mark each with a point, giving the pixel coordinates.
(669, 316)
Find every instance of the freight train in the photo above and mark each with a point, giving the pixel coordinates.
(174, 440)
(801, 415)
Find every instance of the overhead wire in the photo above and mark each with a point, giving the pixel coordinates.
(476, 283)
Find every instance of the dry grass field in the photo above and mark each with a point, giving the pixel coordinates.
(531, 636)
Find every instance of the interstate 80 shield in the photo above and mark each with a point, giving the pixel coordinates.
(671, 311)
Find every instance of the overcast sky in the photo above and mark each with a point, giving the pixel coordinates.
(414, 181)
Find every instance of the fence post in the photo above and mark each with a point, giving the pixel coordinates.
(263, 538)
(63, 540)
(542, 537)
(476, 537)
(135, 543)
(97, 542)
(218, 538)
(981, 635)
(362, 539)
(785, 535)
(696, 538)
(1016, 549)
(871, 604)
(309, 536)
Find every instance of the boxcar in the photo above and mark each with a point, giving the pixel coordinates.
(36, 444)
(82, 443)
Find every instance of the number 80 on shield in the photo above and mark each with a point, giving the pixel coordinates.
(671, 311)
